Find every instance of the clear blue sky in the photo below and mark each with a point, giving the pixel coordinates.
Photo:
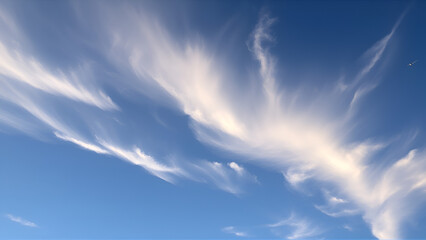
(212, 119)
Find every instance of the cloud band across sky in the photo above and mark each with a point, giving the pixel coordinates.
(304, 136)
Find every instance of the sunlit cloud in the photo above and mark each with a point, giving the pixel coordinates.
(30, 85)
(302, 135)
(82, 144)
(16, 66)
(275, 132)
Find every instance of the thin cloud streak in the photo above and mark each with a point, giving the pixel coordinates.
(234, 231)
(15, 66)
(23, 68)
(372, 56)
(301, 228)
(229, 177)
(21, 221)
(82, 144)
(266, 61)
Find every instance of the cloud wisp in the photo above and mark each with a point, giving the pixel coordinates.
(21, 221)
(26, 69)
(229, 177)
(232, 230)
(300, 228)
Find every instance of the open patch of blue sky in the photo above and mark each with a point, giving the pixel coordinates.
(207, 119)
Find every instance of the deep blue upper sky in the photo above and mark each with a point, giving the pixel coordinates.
(212, 119)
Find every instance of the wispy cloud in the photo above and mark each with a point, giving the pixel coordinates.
(229, 177)
(372, 56)
(267, 63)
(41, 111)
(32, 86)
(234, 231)
(15, 66)
(81, 143)
(305, 136)
(176, 67)
(296, 176)
(337, 213)
(20, 220)
(337, 207)
(375, 53)
(272, 129)
(301, 228)
(347, 227)
(137, 157)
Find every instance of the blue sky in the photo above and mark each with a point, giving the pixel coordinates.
(212, 119)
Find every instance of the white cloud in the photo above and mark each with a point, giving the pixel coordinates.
(232, 230)
(337, 212)
(267, 62)
(186, 72)
(10, 120)
(337, 207)
(372, 56)
(137, 157)
(313, 140)
(296, 176)
(20, 220)
(82, 144)
(396, 194)
(347, 227)
(336, 200)
(229, 177)
(301, 228)
(17, 67)
(240, 170)
(68, 133)
(30, 85)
